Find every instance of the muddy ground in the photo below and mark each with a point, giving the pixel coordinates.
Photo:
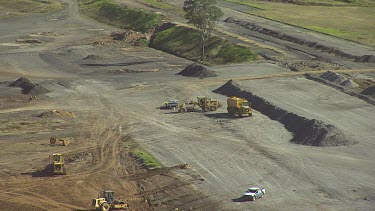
(115, 92)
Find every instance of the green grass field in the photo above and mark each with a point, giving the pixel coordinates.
(352, 21)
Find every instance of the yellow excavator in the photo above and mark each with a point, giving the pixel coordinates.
(106, 201)
(207, 104)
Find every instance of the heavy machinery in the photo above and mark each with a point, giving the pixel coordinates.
(106, 201)
(57, 165)
(185, 107)
(207, 104)
(239, 106)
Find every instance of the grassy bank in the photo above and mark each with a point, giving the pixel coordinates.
(121, 16)
(353, 21)
(11, 8)
(146, 158)
(185, 42)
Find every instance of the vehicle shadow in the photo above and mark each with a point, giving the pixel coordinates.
(240, 199)
(219, 115)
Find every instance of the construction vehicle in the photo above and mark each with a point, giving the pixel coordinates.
(64, 142)
(106, 201)
(239, 106)
(207, 104)
(185, 107)
(57, 165)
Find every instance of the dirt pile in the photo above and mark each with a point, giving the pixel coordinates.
(130, 36)
(28, 87)
(349, 84)
(333, 77)
(196, 70)
(306, 131)
(366, 59)
(369, 91)
(57, 114)
(92, 57)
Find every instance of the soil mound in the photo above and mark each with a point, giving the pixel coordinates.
(57, 113)
(196, 70)
(369, 91)
(333, 77)
(366, 59)
(28, 87)
(22, 82)
(306, 131)
(35, 90)
(92, 57)
(349, 84)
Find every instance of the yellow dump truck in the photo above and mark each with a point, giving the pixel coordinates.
(207, 104)
(239, 106)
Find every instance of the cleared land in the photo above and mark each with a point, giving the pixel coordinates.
(122, 138)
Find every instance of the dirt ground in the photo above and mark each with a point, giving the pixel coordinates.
(116, 92)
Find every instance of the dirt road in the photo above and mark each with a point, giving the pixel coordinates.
(125, 88)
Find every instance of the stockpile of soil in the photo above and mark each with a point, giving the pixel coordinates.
(306, 131)
(92, 57)
(58, 114)
(369, 91)
(28, 87)
(366, 59)
(349, 84)
(333, 77)
(196, 70)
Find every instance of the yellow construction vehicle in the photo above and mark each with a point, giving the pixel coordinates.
(239, 106)
(207, 104)
(106, 201)
(185, 107)
(57, 165)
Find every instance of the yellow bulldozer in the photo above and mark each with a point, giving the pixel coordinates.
(239, 106)
(106, 201)
(57, 165)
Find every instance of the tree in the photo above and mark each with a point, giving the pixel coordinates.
(203, 14)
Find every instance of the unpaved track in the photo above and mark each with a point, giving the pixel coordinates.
(226, 155)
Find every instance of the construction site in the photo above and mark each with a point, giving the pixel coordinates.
(94, 116)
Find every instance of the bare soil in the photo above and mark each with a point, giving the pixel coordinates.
(116, 94)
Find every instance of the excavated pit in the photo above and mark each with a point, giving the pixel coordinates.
(309, 132)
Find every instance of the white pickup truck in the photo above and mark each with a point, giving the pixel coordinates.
(254, 193)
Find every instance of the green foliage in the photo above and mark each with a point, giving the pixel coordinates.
(203, 14)
(146, 158)
(114, 14)
(184, 42)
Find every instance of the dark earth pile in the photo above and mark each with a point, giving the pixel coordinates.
(196, 70)
(92, 57)
(369, 91)
(310, 132)
(366, 58)
(28, 87)
(339, 79)
(333, 77)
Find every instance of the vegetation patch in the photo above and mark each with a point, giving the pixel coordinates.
(352, 20)
(121, 16)
(146, 159)
(11, 8)
(185, 42)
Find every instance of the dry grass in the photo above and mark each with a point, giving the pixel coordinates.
(351, 22)
(11, 8)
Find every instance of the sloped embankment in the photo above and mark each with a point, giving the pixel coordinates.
(186, 42)
(310, 132)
